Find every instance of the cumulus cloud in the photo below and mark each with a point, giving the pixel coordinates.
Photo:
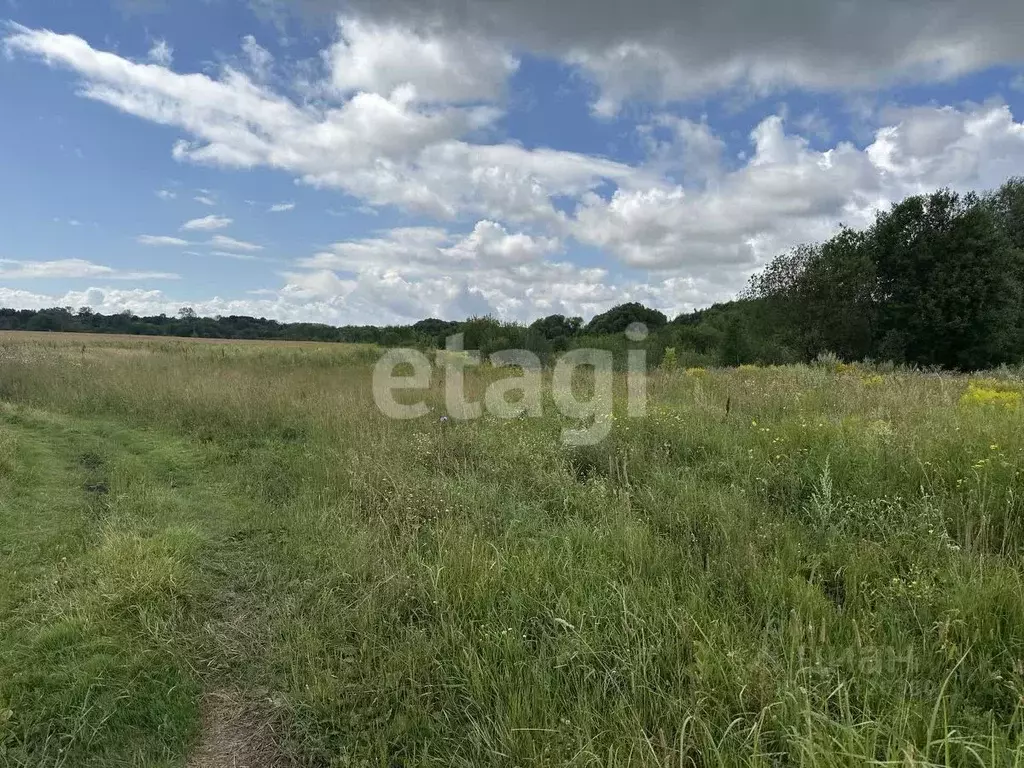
(423, 251)
(408, 273)
(71, 269)
(663, 50)
(432, 64)
(489, 243)
(789, 193)
(927, 147)
(207, 223)
(110, 300)
(383, 148)
(404, 292)
(681, 148)
(688, 223)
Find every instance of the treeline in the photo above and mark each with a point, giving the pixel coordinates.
(545, 337)
(187, 323)
(709, 337)
(936, 280)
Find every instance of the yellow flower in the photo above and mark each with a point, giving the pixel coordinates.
(981, 396)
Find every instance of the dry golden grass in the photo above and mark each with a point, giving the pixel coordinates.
(56, 337)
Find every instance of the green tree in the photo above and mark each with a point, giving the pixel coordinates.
(735, 343)
(617, 319)
(947, 281)
(557, 326)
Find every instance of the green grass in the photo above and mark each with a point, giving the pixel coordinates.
(829, 574)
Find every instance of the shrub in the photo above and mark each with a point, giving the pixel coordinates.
(670, 361)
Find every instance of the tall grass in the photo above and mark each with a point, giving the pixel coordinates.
(827, 572)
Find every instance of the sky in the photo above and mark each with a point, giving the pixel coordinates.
(384, 161)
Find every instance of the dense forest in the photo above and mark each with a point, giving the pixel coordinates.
(936, 280)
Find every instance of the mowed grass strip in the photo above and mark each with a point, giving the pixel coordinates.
(828, 574)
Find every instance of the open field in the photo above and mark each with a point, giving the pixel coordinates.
(56, 337)
(225, 549)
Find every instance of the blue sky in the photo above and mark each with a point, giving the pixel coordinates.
(371, 163)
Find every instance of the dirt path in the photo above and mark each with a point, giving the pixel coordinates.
(235, 735)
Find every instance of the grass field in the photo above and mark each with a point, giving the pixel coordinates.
(217, 552)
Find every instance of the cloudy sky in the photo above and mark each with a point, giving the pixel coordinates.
(381, 161)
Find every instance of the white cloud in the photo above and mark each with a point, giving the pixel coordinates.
(160, 240)
(664, 50)
(428, 64)
(166, 194)
(344, 283)
(409, 273)
(281, 207)
(229, 255)
(205, 200)
(927, 147)
(424, 251)
(789, 193)
(699, 219)
(664, 70)
(385, 149)
(489, 243)
(161, 53)
(230, 244)
(67, 269)
(678, 147)
(814, 123)
(522, 292)
(260, 60)
(207, 223)
(110, 300)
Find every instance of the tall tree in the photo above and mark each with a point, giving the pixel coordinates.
(947, 284)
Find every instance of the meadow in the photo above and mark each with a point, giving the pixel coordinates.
(224, 554)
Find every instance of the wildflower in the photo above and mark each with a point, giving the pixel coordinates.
(995, 396)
